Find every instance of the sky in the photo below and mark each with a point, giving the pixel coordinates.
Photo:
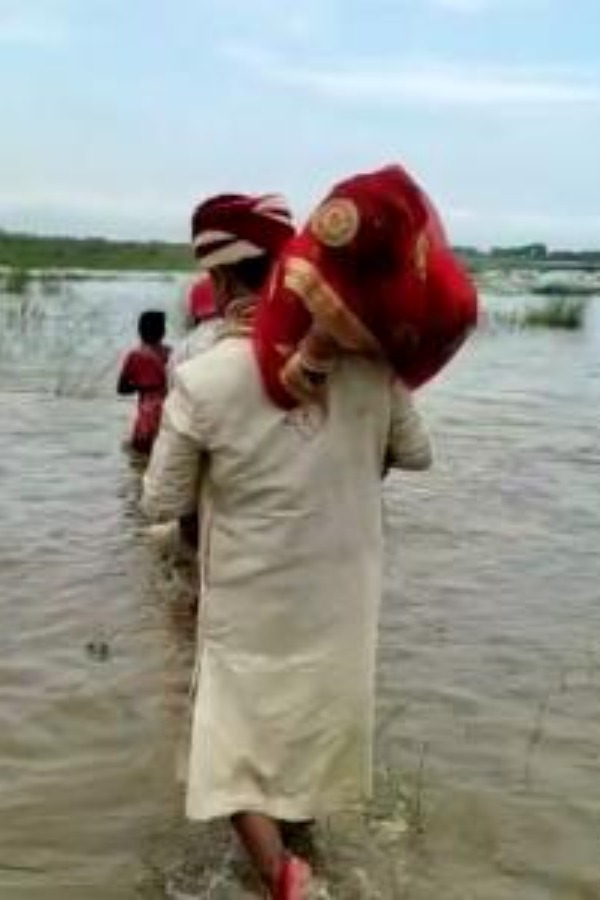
(117, 116)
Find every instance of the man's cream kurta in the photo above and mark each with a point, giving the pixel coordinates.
(284, 706)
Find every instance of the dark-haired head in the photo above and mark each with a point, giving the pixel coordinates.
(243, 279)
(152, 326)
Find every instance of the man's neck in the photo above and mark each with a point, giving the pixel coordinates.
(239, 315)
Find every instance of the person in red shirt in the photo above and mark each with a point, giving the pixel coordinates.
(144, 373)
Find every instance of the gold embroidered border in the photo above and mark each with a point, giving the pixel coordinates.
(327, 308)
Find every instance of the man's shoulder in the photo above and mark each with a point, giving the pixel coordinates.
(218, 369)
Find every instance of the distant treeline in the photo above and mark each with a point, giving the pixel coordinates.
(26, 251)
(531, 254)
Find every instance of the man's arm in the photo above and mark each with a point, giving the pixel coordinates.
(126, 383)
(408, 446)
(125, 387)
(173, 479)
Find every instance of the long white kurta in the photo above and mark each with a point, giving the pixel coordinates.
(284, 706)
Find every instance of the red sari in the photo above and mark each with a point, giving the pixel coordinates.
(373, 273)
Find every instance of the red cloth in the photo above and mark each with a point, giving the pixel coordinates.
(145, 370)
(201, 303)
(372, 270)
(232, 227)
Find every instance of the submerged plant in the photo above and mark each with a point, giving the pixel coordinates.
(566, 313)
(560, 312)
(19, 312)
(417, 814)
(401, 805)
(566, 289)
(17, 281)
(51, 283)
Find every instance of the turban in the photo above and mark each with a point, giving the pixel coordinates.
(200, 303)
(372, 273)
(231, 228)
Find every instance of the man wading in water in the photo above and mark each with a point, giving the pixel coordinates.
(291, 557)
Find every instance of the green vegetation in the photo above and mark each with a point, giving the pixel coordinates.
(565, 313)
(17, 281)
(529, 256)
(21, 252)
(563, 289)
(560, 312)
(20, 310)
(26, 251)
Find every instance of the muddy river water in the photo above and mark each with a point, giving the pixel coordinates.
(489, 684)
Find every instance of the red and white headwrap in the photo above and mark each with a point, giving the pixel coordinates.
(200, 302)
(230, 228)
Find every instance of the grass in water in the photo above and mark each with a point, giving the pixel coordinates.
(417, 814)
(560, 312)
(566, 313)
(17, 281)
(566, 290)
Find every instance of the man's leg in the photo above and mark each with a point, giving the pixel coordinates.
(261, 837)
(298, 837)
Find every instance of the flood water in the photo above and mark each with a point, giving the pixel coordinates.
(489, 693)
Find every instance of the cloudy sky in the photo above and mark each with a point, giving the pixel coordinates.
(116, 115)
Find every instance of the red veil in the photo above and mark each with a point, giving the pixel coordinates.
(372, 272)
